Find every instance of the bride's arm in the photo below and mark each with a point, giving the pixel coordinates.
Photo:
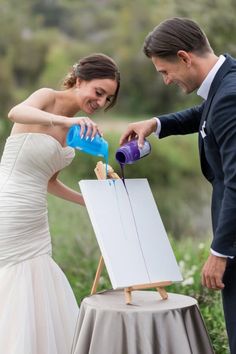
(60, 190)
(34, 110)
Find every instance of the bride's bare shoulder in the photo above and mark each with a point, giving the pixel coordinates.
(41, 98)
(46, 92)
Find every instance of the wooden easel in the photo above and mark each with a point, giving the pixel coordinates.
(100, 171)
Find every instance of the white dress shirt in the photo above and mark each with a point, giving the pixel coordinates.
(204, 89)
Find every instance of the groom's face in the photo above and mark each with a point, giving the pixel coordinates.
(176, 71)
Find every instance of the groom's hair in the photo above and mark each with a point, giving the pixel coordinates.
(176, 34)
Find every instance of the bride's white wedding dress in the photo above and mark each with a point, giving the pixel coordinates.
(38, 310)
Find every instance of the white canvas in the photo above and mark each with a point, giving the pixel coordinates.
(130, 232)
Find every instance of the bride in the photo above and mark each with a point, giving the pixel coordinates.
(38, 310)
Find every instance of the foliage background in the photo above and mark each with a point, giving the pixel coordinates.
(40, 40)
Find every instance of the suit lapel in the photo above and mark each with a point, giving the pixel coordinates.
(224, 69)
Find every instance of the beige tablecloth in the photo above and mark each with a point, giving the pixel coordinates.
(106, 325)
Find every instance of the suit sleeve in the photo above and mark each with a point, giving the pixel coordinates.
(224, 129)
(181, 123)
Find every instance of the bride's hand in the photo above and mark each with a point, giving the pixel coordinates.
(86, 124)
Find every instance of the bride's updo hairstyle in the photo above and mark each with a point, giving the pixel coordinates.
(94, 66)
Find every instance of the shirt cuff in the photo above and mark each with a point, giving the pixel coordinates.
(220, 255)
(157, 132)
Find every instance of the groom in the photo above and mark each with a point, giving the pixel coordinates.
(181, 53)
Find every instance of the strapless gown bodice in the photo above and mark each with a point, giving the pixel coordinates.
(28, 162)
(38, 310)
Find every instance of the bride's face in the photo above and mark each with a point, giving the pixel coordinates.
(95, 94)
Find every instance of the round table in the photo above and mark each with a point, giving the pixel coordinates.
(150, 325)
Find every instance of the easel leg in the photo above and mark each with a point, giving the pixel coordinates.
(100, 171)
(97, 276)
(162, 293)
(128, 299)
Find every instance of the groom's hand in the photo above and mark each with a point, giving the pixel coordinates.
(139, 130)
(213, 271)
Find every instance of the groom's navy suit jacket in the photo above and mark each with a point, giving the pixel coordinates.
(215, 121)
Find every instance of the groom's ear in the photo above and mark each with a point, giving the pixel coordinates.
(184, 57)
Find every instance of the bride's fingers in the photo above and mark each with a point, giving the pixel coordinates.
(82, 127)
(86, 127)
(96, 130)
(92, 130)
